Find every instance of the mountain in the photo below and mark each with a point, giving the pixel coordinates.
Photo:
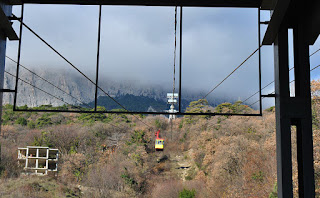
(78, 90)
(136, 103)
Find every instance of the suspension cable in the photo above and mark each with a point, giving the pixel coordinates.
(72, 65)
(82, 103)
(232, 72)
(51, 95)
(289, 83)
(174, 60)
(273, 80)
(41, 89)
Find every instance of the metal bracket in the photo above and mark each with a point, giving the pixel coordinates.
(264, 22)
(7, 90)
(14, 18)
(269, 96)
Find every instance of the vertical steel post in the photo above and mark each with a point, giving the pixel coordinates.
(18, 62)
(7, 9)
(283, 122)
(98, 60)
(303, 98)
(259, 45)
(180, 60)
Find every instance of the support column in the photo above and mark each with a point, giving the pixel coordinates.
(304, 121)
(7, 9)
(27, 157)
(283, 123)
(294, 110)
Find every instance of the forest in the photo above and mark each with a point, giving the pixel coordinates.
(113, 155)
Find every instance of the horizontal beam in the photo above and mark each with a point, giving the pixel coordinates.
(192, 3)
(287, 10)
(6, 26)
(276, 21)
(7, 90)
(268, 4)
(134, 112)
(314, 22)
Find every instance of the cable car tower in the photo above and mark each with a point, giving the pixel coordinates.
(172, 99)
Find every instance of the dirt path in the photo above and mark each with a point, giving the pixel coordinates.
(182, 163)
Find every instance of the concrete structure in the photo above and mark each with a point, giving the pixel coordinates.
(38, 160)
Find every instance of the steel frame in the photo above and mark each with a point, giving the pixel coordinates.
(136, 112)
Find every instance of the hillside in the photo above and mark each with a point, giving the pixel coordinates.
(203, 156)
(136, 103)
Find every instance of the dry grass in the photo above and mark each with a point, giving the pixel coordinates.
(229, 157)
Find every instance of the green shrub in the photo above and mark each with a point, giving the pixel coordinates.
(22, 121)
(199, 159)
(31, 125)
(270, 109)
(161, 124)
(274, 193)
(138, 137)
(43, 121)
(43, 140)
(181, 125)
(183, 139)
(235, 108)
(251, 130)
(7, 117)
(187, 193)
(199, 106)
(259, 176)
(157, 123)
(93, 117)
(25, 107)
(128, 179)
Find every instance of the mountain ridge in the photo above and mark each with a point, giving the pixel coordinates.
(76, 88)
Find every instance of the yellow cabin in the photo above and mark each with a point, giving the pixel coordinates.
(159, 144)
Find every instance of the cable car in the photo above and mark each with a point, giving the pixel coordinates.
(159, 143)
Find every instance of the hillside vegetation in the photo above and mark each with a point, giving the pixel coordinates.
(222, 156)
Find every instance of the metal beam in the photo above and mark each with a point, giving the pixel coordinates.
(6, 26)
(303, 95)
(276, 21)
(283, 123)
(268, 4)
(134, 112)
(6, 10)
(193, 3)
(313, 22)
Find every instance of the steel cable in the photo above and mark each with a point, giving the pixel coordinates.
(48, 82)
(72, 65)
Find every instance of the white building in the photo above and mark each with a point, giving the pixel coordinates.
(38, 160)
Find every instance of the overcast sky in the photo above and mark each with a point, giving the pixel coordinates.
(137, 43)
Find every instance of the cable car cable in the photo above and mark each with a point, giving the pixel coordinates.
(273, 81)
(41, 89)
(64, 58)
(232, 72)
(289, 82)
(78, 70)
(175, 50)
(52, 95)
(48, 82)
(174, 58)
